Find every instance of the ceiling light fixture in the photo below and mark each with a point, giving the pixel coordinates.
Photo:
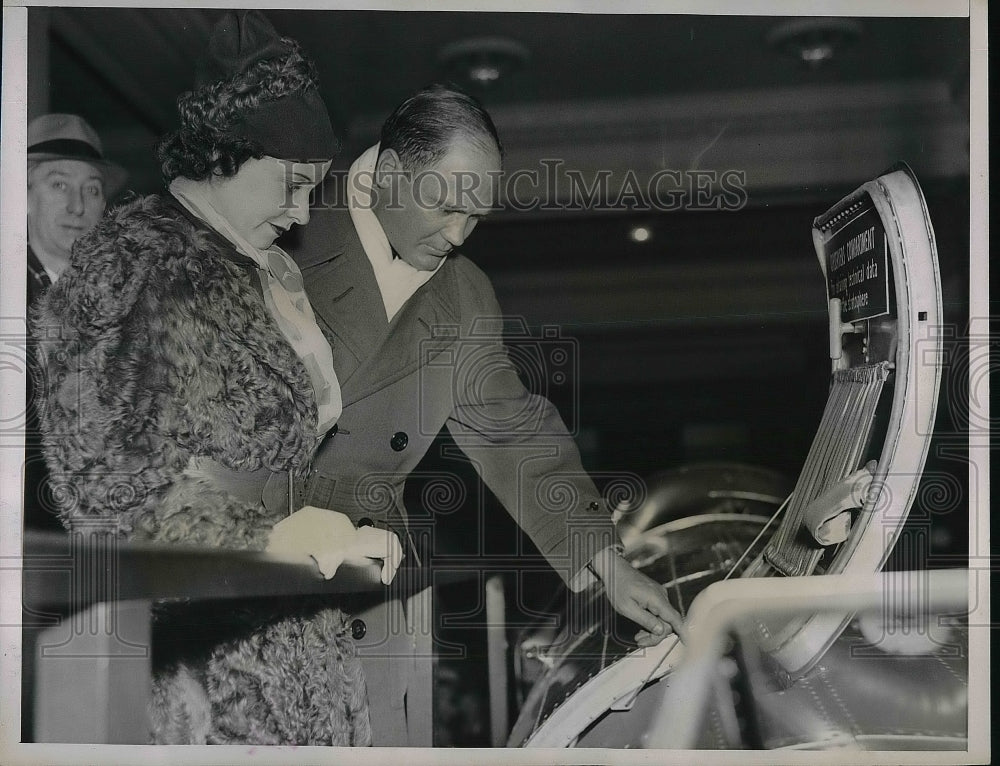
(480, 62)
(814, 42)
(640, 234)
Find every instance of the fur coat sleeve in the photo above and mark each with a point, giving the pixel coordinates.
(157, 347)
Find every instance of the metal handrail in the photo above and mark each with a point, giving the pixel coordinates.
(721, 606)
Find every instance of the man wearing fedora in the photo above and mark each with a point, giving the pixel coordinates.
(69, 183)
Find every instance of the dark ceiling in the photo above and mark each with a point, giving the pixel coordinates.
(641, 81)
(369, 61)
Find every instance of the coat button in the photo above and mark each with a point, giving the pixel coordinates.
(358, 629)
(399, 441)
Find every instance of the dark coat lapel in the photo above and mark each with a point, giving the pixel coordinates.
(415, 336)
(341, 289)
(369, 352)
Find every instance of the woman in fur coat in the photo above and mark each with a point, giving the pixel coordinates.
(188, 385)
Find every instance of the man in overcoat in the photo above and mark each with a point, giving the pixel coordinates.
(416, 335)
(69, 183)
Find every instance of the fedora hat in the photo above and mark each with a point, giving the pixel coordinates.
(70, 137)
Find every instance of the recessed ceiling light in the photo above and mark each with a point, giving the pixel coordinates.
(814, 42)
(481, 61)
(640, 234)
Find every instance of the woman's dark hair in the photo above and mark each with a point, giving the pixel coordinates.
(205, 144)
(422, 127)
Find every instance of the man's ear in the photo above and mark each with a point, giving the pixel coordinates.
(387, 165)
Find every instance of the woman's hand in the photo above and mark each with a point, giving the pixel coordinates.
(330, 539)
(637, 597)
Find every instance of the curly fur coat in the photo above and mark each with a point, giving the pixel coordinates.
(158, 347)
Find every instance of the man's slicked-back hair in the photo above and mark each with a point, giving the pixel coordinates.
(422, 127)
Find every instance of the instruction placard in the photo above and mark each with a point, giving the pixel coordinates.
(857, 266)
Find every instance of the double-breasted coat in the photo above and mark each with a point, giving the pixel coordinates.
(440, 362)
